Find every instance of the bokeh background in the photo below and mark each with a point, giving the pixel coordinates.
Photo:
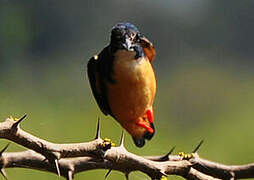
(204, 68)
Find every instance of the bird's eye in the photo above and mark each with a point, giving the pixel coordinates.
(137, 38)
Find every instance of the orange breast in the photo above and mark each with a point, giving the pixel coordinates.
(134, 90)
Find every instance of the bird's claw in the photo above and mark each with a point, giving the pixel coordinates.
(13, 118)
(108, 143)
(186, 156)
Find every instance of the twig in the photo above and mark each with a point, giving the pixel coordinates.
(99, 154)
(9, 129)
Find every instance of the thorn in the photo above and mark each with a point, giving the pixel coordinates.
(69, 175)
(122, 139)
(109, 171)
(19, 121)
(127, 176)
(98, 131)
(165, 157)
(57, 167)
(198, 146)
(163, 174)
(1, 152)
(232, 175)
(2, 171)
(171, 150)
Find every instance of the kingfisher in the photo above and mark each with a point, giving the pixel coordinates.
(123, 81)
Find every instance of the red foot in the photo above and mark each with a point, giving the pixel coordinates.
(146, 126)
(149, 114)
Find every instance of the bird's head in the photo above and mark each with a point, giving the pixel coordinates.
(127, 36)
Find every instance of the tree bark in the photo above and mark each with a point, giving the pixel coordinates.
(100, 154)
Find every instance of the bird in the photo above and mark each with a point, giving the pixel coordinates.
(123, 81)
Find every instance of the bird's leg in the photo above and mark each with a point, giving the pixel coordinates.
(149, 114)
(145, 125)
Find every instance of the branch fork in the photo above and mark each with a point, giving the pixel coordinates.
(69, 159)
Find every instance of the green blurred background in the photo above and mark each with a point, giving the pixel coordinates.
(204, 68)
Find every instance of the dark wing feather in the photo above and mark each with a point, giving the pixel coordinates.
(97, 84)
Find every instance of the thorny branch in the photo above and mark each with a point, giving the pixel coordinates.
(99, 154)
